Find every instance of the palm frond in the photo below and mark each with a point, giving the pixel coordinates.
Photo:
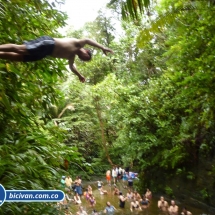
(2, 8)
(156, 26)
(131, 8)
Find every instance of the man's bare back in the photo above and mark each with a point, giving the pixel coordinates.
(66, 48)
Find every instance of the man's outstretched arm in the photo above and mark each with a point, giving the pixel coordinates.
(75, 71)
(93, 43)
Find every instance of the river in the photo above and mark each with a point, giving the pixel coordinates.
(113, 199)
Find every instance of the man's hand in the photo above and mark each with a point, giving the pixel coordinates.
(105, 50)
(81, 78)
(75, 71)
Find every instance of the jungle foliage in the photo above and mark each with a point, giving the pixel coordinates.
(32, 150)
(156, 99)
(149, 106)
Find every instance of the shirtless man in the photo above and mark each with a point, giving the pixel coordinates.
(173, 209)
(81, 211)
(148, 194)
(115, 190)
(185, 211)
(66, 48)
(137, 195)
(162, 204)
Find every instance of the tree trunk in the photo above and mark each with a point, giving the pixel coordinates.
(101, 123)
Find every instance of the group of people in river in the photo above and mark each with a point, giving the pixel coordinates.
(74, 195)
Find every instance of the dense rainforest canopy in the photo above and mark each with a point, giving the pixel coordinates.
(149, 106)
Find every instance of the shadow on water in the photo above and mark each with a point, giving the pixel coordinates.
(113, 199)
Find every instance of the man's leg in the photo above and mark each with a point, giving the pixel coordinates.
(21, 49)
(11, 56)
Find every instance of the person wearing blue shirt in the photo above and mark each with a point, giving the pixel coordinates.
(110, 208)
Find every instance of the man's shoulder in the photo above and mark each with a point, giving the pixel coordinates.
(65, 38)
(68, 41)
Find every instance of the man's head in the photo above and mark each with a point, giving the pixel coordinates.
(84, 54)
(172, 202)
(184, 209)
(108, 204)
(162, 198)
(143, 197)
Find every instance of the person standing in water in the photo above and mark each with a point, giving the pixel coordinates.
(109, 208)
(185, 211)
(122, 200)
(148, 194)
(173, 209)
(81, 211)
(135, 205)
(162, 204)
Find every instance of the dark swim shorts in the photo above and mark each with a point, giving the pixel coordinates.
(39, 48)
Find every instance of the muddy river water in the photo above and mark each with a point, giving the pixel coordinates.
(113, 199)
